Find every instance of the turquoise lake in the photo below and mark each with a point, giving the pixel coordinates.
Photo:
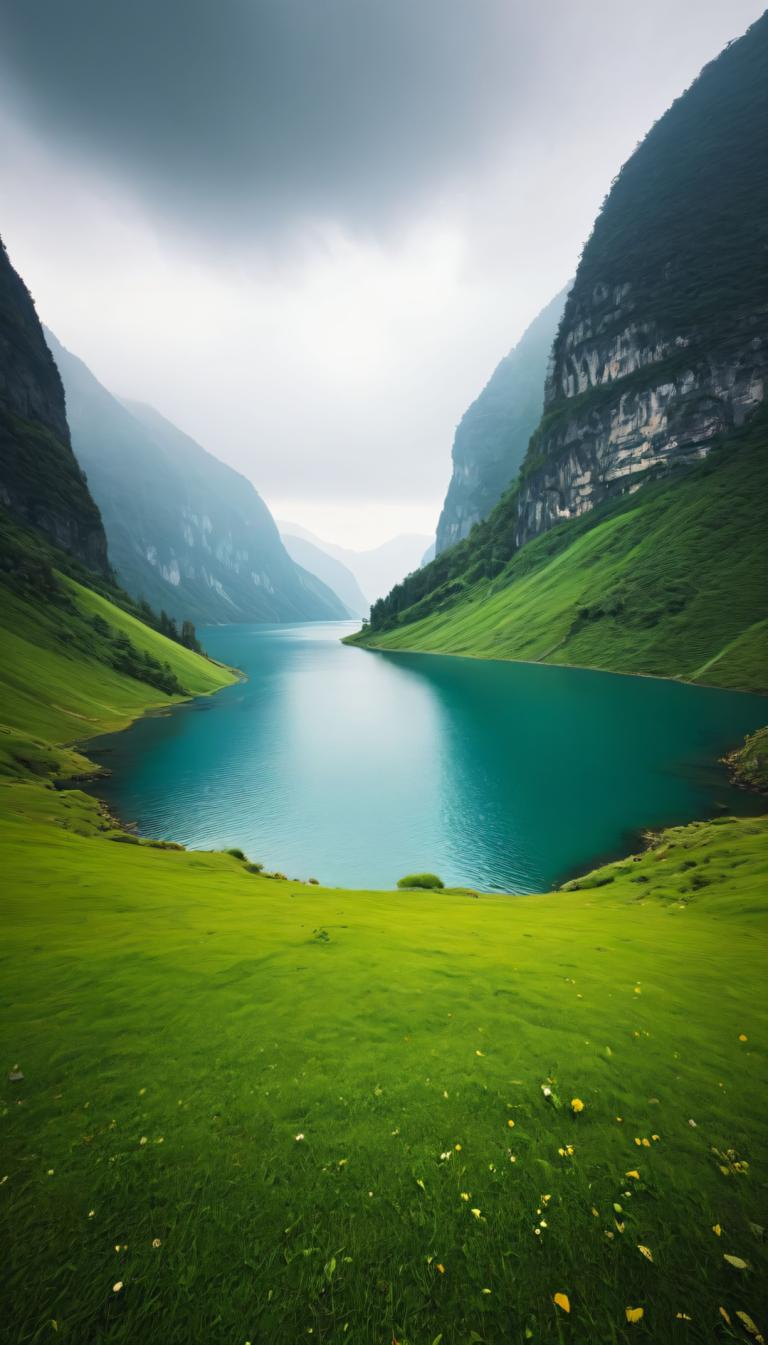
(357, 767)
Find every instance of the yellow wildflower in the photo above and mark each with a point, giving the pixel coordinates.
(562, 1301)
(633, 1172)
(577, 1105)
(635, 1314)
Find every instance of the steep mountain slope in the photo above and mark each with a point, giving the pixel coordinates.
(661, 355)
(186, 532)
(635, 585)
(336, 576)
(375, 570)
(493, 434)
(40, 481)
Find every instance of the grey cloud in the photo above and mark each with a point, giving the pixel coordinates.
(251, 113)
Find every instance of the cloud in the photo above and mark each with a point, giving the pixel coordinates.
(307, 230)
(247, 115)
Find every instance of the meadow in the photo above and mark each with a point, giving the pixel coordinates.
(255, 1110)
(239, 1108)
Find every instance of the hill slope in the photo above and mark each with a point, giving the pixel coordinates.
(40, 481)
(185, 532)
(493, 434)
(670, 581)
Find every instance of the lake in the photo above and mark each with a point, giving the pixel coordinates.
(358, 767)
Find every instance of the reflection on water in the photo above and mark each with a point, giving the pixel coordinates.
(357, 767)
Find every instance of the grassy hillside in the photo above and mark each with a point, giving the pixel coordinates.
(670, 581)
(75, 663)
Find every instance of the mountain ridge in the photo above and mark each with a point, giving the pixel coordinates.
(186, 532)
(656, 367)
(41, 483)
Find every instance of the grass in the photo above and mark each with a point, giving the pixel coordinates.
(257, 1110)
(258, 1105)
(669, 581)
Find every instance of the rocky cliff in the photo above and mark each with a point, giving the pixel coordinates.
(186, 533)
(493, 434)
(41, 483)
(664, 339)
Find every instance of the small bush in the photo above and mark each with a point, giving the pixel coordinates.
(427, 880)
(253, 867)
(125, 836)
(236, 853)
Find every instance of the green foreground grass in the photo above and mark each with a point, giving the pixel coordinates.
(257, 1110)
(272, 1112)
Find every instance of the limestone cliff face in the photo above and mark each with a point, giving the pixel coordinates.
(41, 483)
(609, 443)
(664, 339)
(493, 434)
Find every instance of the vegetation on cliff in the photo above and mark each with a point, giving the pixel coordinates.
(669, 581)
(749, 763)
(41, 483)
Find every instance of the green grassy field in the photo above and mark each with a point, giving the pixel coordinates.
(273, 1112)
(254, 1110)
(670, 581)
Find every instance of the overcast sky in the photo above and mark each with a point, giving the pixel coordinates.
(307, 230)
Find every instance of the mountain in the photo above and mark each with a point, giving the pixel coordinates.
(41, 483)
(185, 532)
(493, 434)
(330, 571)
(634, 538)
(377, 570)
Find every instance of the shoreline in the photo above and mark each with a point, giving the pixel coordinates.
(635, 840)
(538, 663)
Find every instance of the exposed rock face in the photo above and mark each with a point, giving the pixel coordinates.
(41, 483)
(664, 340)
(610, 447)
(493, 434)
(186, 532)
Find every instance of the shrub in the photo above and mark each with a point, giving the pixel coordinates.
(236, 853)
(253, 867)
(427, 880)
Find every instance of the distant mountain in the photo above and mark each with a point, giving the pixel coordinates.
(429, 554)
(325, 567)
(376, 571)
(493, 434)
(41, 483)
(185, 532)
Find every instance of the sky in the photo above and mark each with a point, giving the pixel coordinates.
(307, 230)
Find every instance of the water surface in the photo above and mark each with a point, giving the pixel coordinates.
(357, 767)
